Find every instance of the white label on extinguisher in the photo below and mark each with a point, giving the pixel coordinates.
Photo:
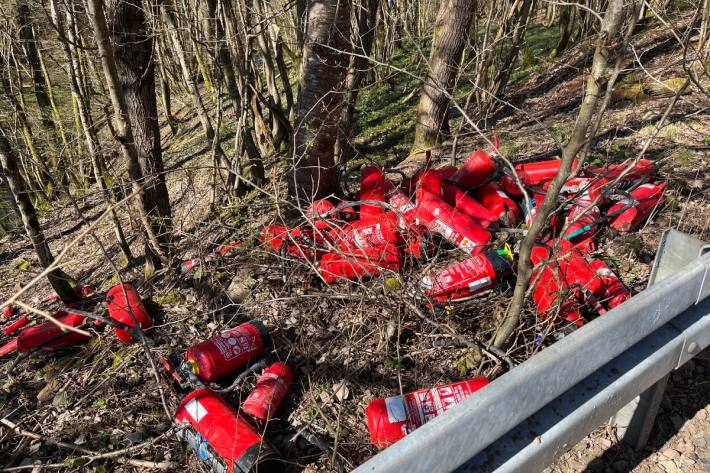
(396, 411)
(369, 236)
(478, 284)
(445, 230)
(196, 410)
(232, 344)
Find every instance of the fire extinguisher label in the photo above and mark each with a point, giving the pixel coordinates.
(467, 245)
(396, 411)
(196, 410)
(204, 450)
(445, 230)
(231, 345)
(369, 236)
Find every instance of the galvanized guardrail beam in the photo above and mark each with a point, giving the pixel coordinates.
(451, 440)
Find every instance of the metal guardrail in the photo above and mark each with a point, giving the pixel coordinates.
(526, 418)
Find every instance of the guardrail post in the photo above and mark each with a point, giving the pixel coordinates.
(635, 420)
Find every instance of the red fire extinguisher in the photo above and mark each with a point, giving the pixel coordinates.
(549, 286)
(372, 233)
(8, 348)
(553, 226)
(499, 204)
(299, 242)
(583, 189)
(16, 325)
(221, 355)
(452, 224)
(582, 221)
(475, 171)
(222, 437)
(583, 281)
(8, 311)
(419, 242)
(643, 200)
(468, 277)
(392, 418)
(643, 170)
(126, 306)
(403, 203)
(614, 290)
(372, 187)
(533, 175)
(445, 173)
(270, 390)
(457, 198)
(49, 336)
(359, 263)
(218, 253)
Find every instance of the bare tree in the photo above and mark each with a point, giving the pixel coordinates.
(59, 281)
(321, 98)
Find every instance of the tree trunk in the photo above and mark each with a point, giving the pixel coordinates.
(67, 39)
(29, 46)
(450, 35)
(57, 278)
(130, 78)
(607, 44)
(320, 99)
(366, 21)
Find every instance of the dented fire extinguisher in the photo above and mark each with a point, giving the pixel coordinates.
(452, 224)
(469, 277)
(221, 355)
(478, 169)
(549, 286)
(270, 390)
(222, 437)
(641, 202)
(390, 419)
(499, 204)
(614, 290)
(359, 263)
(125, 306)
(49, 336)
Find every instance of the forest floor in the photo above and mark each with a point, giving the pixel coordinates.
(349, 343)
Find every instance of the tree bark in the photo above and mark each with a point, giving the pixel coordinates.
(607, 44)
(320, 99)
(450, 35)
(366, 21)
(130, 78)
(57, 278)
(29, 46)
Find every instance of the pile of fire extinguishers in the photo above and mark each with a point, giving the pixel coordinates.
(468, 208)
(464, 207)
